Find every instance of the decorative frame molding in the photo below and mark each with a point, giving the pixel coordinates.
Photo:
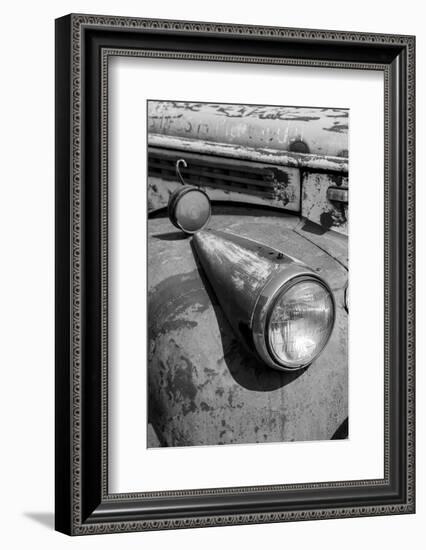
(84, 44)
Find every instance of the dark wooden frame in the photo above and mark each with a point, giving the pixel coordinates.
(83, 45)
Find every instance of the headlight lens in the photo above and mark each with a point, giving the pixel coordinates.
(300, 322)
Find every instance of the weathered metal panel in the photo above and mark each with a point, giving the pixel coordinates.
(160, 189)
(204, 388)
(222, 179)
(317, 205)
(308, 130)
(332, 243)
(265, 154)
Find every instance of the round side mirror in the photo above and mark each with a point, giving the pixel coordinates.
(189, 209)
(189, 206)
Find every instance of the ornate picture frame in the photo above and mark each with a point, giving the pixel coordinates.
(84, 45)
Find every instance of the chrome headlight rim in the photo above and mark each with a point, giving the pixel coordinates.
(272, 291)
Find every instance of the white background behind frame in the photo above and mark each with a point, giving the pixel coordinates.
(132, 467)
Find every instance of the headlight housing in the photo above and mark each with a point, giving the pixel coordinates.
(280, 309)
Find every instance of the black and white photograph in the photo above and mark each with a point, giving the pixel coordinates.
(247, 273)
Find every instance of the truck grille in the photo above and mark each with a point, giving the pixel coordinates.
(270, 182)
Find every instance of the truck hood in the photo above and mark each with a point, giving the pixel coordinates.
(219, 382)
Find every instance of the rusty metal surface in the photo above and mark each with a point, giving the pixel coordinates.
(317, 205)
(285, 196)
(204, 388)
(294, 158)
(264, 154)
(306, 130)
(223, 179)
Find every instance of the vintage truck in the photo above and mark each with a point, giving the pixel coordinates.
(222, 365)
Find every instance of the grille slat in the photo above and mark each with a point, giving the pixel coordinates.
(222, 173)
(208, 177)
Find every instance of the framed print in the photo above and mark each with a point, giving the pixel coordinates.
(234, 274)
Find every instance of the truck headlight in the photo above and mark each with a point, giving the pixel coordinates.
(299, 322)
(280, 309)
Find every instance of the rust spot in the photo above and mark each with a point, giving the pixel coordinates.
(230, 398)
(231, 112)
(339, 128)
(195, 107)
(262, 113)
(177, 324)
(341, 114)
(280, 116)
(332, 218)
(299, 146)
(179, 385)
(277, 175)
(210, 372)
(175, 302)
(280, 184)
(336, 179)
(165, 117)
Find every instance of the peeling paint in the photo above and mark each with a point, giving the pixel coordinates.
(269, 185)
(316, 206)
(179, 380)
(339, 128)
(319, 159)
(256, 267)
(204, 389)
(185, 309)
(239, 283)
(252, 125)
